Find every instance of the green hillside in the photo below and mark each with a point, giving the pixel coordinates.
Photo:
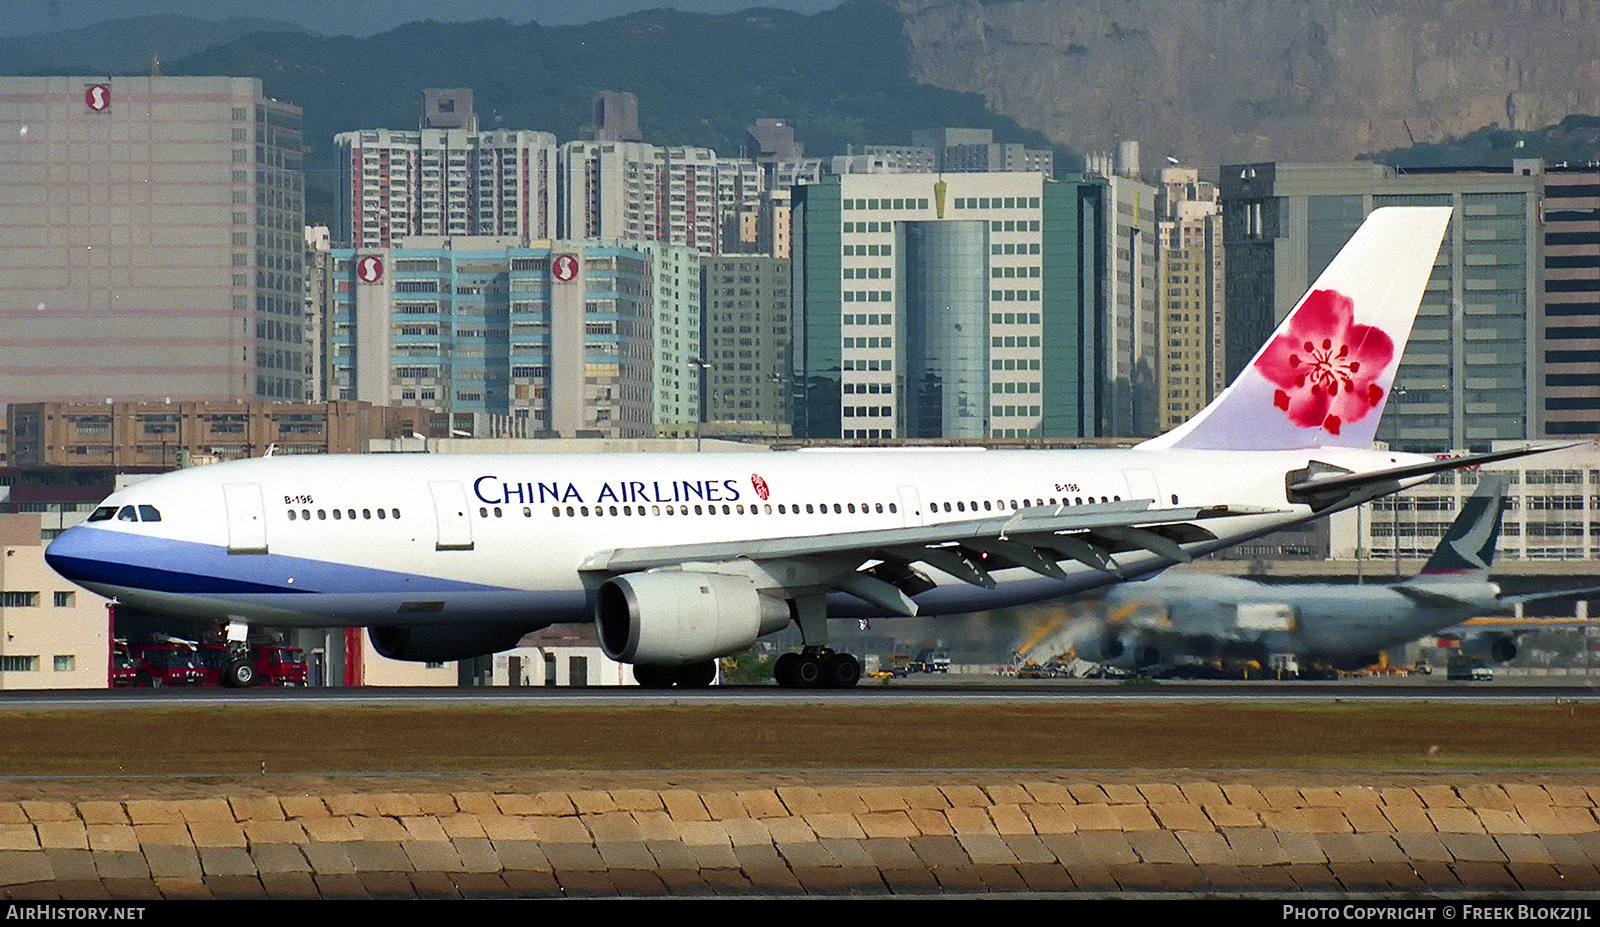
(841, 77)
(1575, 140)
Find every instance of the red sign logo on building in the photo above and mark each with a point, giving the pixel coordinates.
(97, 97)
(369, 269)
(564, 267)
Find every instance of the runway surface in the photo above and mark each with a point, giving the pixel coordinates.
(961, 788)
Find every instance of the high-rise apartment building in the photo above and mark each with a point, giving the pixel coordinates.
(1189, 312)
(506, 339)
(1469, 375)
(151, 239)
(442, 182)
(950, 306)
(976, 150)
(632, 191)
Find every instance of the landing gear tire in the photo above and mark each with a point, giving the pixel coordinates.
(238, 674)
(696, 675)
(808, 671)
(841, 671)
(783, 670)
(650, 676)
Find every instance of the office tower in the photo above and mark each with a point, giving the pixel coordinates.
(747, 338)
(151, 236)
(1571, 350)
(955, 306)
(501, 338)
(676, 362)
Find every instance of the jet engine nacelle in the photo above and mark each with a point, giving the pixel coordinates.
(442, 643)
(1500, 648)
(674, 617)
(1120, 652)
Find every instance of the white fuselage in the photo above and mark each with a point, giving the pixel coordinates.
(408, 539)
(1342, 625)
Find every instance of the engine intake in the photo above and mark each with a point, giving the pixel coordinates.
(674, 617)
(1500, 648)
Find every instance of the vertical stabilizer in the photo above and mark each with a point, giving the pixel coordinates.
(1323, 378)
(1466, 552)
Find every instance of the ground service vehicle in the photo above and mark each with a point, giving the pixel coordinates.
(165, 663)
(122, 671)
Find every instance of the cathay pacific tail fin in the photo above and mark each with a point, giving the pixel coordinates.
(1466, 552)
(1323, 378)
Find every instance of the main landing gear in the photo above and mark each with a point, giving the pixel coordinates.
(817, 668)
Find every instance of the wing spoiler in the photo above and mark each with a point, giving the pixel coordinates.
(1125, 520)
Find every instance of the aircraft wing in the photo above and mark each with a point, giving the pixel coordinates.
(1035, 538)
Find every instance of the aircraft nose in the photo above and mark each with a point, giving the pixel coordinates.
(76, 554)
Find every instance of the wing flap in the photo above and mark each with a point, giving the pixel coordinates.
(1035, 539)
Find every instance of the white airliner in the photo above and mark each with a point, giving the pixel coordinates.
(682, 558)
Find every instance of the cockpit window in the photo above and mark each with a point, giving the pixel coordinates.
(126, 513)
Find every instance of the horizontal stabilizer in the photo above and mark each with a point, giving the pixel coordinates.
(1333, 487)
(1430, 597)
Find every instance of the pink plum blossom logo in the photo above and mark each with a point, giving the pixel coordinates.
(1326, 367)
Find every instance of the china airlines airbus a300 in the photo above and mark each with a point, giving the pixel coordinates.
(682, 558)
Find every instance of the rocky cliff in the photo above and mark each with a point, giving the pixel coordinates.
(1225, 81)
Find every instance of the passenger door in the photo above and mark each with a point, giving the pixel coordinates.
(454, 515)
(247, 518)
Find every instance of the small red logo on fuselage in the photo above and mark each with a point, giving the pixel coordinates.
(760, 485)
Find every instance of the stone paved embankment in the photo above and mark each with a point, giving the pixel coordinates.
(793, 835)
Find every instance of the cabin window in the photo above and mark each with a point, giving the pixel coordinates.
(292, 515)
(380, 514)
(127, 514)
(149, 513)
(103, 513)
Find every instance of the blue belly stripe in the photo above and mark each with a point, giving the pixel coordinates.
(117, 558)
